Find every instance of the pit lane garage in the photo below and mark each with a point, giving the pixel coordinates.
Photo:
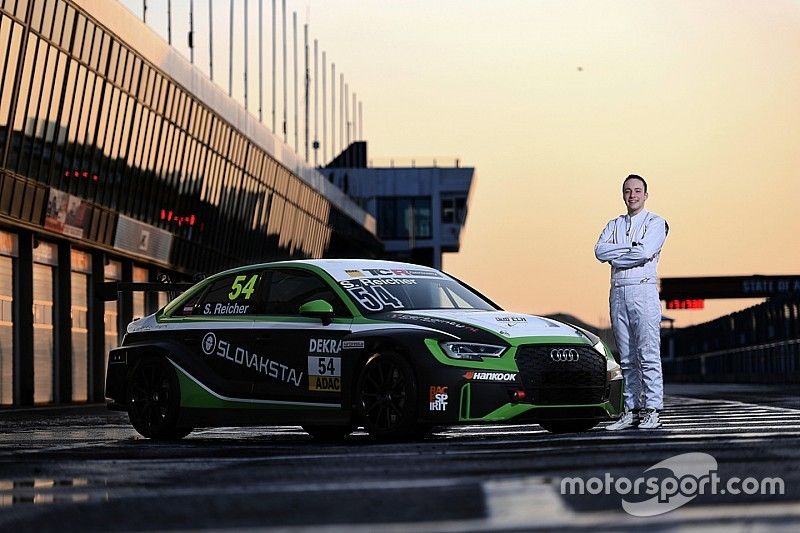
(336, 344)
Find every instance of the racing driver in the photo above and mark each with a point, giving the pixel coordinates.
(632, 243)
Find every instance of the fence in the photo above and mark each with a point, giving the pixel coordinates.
(760, 344)
(777, 362)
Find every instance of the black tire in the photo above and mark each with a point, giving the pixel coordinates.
(154, 400)
(386, 397)
(568, 426)
(328, 433)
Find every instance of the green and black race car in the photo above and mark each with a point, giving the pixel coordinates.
(334, 344)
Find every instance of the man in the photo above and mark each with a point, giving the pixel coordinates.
(632, 244)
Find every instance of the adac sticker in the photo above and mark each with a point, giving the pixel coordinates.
(324, 374)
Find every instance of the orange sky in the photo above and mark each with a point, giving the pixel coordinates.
(700, 97)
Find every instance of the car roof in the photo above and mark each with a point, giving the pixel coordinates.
(341, 269)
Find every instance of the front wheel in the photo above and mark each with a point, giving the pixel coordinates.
(568, 426)
(154, 400)
(386, 397)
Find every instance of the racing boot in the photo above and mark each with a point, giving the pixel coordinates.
(650, 419)
(627, 420)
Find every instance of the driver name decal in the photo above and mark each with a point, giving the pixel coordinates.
(225, 309)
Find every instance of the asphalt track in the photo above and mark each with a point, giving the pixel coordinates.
(85, 469)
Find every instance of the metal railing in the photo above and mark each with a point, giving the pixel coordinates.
(415, 162)
(775, 362)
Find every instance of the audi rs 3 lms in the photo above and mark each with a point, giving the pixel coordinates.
(335, 344)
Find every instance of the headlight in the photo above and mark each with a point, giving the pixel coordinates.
(471, 351)
(613, 370)
(600, 347)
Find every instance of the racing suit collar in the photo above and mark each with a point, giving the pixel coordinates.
(637, 216)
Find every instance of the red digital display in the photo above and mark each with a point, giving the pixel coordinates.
(81, 174)
(686, 304)
(179, 220)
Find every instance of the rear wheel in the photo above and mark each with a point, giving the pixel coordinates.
(154, 400)
(386, 396)
(568, 426)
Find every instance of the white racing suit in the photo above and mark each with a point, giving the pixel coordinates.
(632, 245)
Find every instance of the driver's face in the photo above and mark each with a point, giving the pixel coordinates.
(634, 195)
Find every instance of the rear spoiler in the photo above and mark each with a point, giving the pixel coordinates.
(110, 290)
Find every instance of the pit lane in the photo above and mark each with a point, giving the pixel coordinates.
(84, 468)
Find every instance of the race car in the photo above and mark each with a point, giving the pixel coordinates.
(335, 344)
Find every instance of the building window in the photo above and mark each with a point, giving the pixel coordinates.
(406, 217)
(79, 309)
(140, 275)
(111, 272)
(454, 209)
(8, 249)
(45, 259)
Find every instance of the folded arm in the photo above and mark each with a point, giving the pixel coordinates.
(647, 248)
(605, 250)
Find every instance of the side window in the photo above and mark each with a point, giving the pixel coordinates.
(451, 300)
(289, 289)
(188, 307)
(232, 295)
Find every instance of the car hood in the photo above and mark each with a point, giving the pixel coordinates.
(507, 325)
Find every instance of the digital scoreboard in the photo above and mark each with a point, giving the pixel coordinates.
(684, 293)
(686, 304)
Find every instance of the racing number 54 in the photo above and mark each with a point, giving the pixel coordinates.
(247, 289)
(375, 298)
(327, 366)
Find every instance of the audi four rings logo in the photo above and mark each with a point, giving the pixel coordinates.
(564, 355)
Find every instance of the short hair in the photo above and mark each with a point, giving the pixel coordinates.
(634, 177)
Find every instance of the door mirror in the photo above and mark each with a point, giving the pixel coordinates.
(318, 309)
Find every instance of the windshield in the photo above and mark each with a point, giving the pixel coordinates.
(373, 295)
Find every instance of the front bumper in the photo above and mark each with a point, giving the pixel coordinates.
(525, 386)
(479, 402)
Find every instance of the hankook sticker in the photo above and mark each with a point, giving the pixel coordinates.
(471, 375)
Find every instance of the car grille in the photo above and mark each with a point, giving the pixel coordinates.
(549, 382)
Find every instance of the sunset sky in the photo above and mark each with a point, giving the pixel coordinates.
(554, 103)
